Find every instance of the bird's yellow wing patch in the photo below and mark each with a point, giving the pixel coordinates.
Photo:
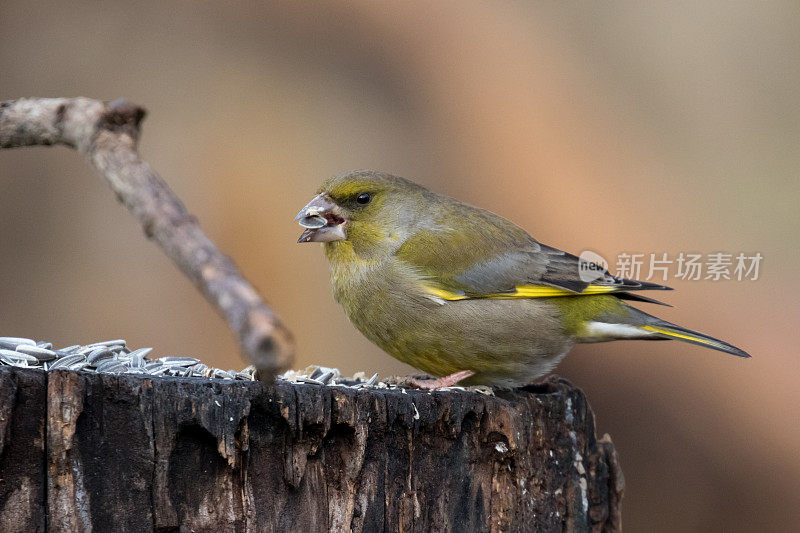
(442, 294)
(521, 291)
(543, 291)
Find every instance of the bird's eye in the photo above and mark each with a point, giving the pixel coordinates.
(364, 198)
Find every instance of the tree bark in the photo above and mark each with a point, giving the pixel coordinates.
(82, 451)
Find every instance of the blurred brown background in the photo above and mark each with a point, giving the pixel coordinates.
(611, 126)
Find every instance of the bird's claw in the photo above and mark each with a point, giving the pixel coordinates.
(446, 381)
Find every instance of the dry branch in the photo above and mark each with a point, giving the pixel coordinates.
(107, 134)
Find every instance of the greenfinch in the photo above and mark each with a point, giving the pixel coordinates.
(464, 294)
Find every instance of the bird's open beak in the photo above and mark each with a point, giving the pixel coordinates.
(322, 220)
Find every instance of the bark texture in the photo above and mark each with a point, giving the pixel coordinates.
(107, 134)
(81, 451)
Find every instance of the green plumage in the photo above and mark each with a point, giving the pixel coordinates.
(433, 282)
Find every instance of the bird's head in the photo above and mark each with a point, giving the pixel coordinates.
(370, 210)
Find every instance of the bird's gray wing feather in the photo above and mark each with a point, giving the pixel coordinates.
(475, 252)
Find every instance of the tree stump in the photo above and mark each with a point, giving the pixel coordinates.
(82, 451)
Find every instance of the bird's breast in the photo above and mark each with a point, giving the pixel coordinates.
(379, 297)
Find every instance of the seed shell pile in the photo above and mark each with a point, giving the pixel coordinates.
(115, 357)
(108, 357)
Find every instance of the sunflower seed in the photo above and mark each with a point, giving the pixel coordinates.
(115, 342)
(12, 342)
(221, 374)
(138, 356)
(160, 371)
(199, 369)
(86, 350)
(18, 355)
(13, 362)
(98, 354)
(304, 379)
(313, 222)
(66, 362)
(107, 364)
(326, 377)
(151, 365)
(69, 349)
(178, 361)
(79, 365)
(41, 354)
(118, 369)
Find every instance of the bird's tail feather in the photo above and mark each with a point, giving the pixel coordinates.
(671, 331)
(658, 328)
(635, 324)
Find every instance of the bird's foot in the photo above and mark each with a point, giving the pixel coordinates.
(446, 381)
